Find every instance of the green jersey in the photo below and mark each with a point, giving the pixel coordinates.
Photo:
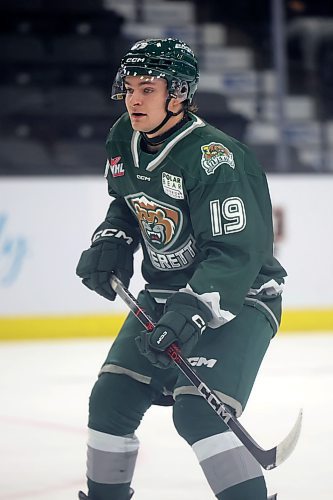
(202, 207)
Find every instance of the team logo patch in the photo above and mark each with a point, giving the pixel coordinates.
(173, 186)
(116, 167)
(215, 154)
(160, 223)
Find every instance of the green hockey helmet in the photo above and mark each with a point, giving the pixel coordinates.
(167, 58)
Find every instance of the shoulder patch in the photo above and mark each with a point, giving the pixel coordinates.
(115, 166)
(215, 154)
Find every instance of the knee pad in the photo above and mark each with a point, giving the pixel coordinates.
(194, 419)
(117, 404)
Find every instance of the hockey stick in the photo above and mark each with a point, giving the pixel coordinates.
(268, 459)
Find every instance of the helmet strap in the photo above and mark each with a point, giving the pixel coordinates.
(167, 117)
(156, 141)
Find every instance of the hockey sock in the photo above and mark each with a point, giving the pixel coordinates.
(110, 465)
(255, 488)
(117, 404)
(230, 469)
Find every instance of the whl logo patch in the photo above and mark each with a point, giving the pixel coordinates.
(215, 154)
(115, 166)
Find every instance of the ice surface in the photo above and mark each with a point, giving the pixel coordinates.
(44, 390)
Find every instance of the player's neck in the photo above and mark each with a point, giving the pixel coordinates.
(154, 144)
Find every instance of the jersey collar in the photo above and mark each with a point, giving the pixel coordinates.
(165, 150)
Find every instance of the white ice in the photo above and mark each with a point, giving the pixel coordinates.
(44, 390)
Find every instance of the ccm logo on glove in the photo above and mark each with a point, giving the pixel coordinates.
(161, 337)
(116, 233)
(111, 251)
(199, 321)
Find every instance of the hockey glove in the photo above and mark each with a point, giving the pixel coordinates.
(185, 318)
(111, 251)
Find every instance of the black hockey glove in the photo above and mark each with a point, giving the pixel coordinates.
(111, 251)
(185, 318)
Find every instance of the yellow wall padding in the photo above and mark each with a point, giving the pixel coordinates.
(60, 327)
(95, 326)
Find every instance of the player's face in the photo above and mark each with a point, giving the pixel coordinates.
(145, 102)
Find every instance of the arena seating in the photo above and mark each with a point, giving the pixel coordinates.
(58, 60)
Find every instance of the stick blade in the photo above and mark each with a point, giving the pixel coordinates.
(287, 446)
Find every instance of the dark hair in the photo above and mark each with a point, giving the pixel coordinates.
(193, 108)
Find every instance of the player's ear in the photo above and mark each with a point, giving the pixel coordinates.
(176, 103)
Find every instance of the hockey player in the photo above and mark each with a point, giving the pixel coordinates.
(197, 202)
